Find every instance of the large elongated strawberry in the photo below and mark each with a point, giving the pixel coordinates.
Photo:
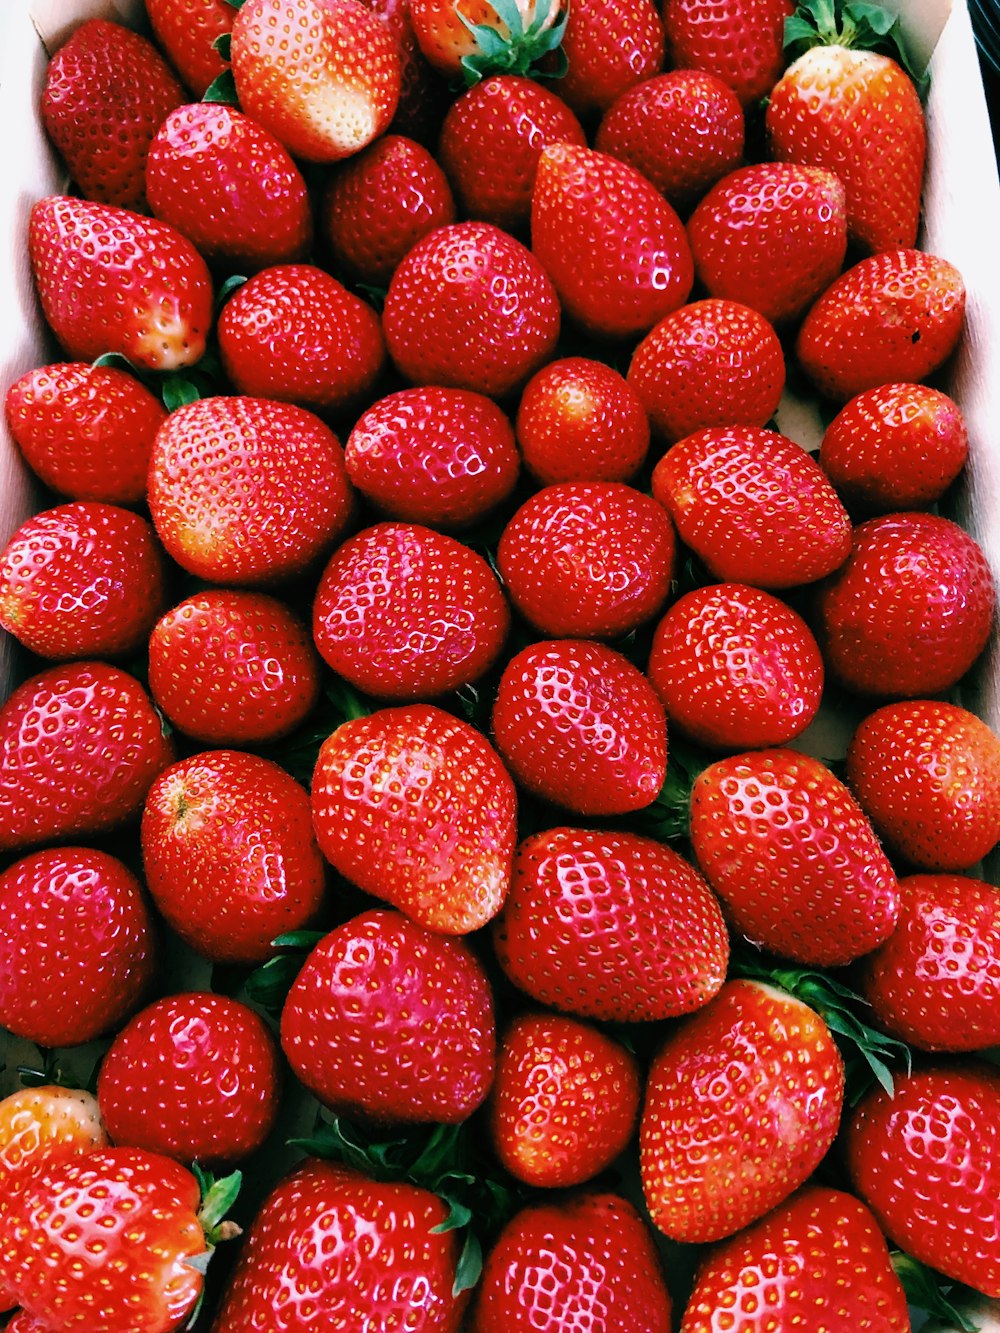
(609, 47)
(188, 30)
(740, 43)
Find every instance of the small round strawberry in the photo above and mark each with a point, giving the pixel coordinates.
(609, 47)
(403, 612)
(588, 559)
(611, 926)
(43, 1125)
(472, 308)
(444, 31)
(739, 41)
(713, 363)
(895, 447)
(76, 946)
(736, 668)
(194, 1077)
(229, 854)
(565, 1101)
(910, 611)
(392, 1022)
(187, 31)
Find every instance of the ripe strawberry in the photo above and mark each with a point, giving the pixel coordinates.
(391, 1022)
(896, 316)
(403, 612)
(107, 92)
(735, 668)
(187, 29)
(448, 41)
(565, 1101)
(615, 249)
(610, 46)
(472, 308)
(415, 807)
(712, 1162)
(244, 490)
(588, 559)
(789, 851)
(295, 334)
(41, 1126)
(229, 186)
(194, 1077)
(112, 281)
(910, 611)
(80, 746)
(611, 926)
(75, 926)
(321, 75)
(927, 1163)
(579, 725)
(229, 854)
(713, 363)
(754, 507)
(772, 236)
(739, 41)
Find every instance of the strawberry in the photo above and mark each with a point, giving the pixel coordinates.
(818, 1262)
(611, 926)
(107, 92)
(194, 1077)
(321, 75)
(81, 580)
(713, 363)
(790, 852)
(772, 236)
(229, 855)
(391, 1022)
(683, 130)
(895, 316)
(473, 38)
(229, 186)
(187, 31)
(80, 746)
(579, 725)
(609, 46)
(245, 490)
(927, 1163)
(295, 334)
(422, 93)
(472, 308)
(233, 668)
(754, 507)
(403, 612)
(440, 456)
(735, 668)
(75, 923)
(40, 1126)
(85, 431)
(565, 1101)
(415, 807)
(588, 559)
(740, 41)
(910, 611)
(613, 246)
(927, 775)
(112, 281)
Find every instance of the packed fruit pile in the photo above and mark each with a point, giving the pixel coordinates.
(424, 629)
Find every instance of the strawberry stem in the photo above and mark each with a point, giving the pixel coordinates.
(520, 50)
(926, 1289)
(854, 24)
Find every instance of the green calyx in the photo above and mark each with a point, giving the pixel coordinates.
(929, 1291)
(852, 23)
(520, 49)
(269, 985)
(217, 1197)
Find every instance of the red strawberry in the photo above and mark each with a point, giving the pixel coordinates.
(771, 236)
(76, 946)
(754, 507)
(610, 46)
(229, 854)
(112, 281)
(187, 29)
(910, 611)
(391, 1022)
(403, 612)
(443, 31)
(565, 1101)
(736, 669)
(613, 246)
(194, 1077)
(789, 851)
(611, 926)
(470, 307)
(107, 92)
(415, 807)
(713, 363)
(579, 725)
(739, 41)
(44, 1125)
(229, 186)
(321, 75)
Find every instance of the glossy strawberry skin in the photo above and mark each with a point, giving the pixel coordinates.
(740, 43)
(611, 926)
(40, 1126)
(610, 47)
(392, 1022)
(186, 30)
(792, 855)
